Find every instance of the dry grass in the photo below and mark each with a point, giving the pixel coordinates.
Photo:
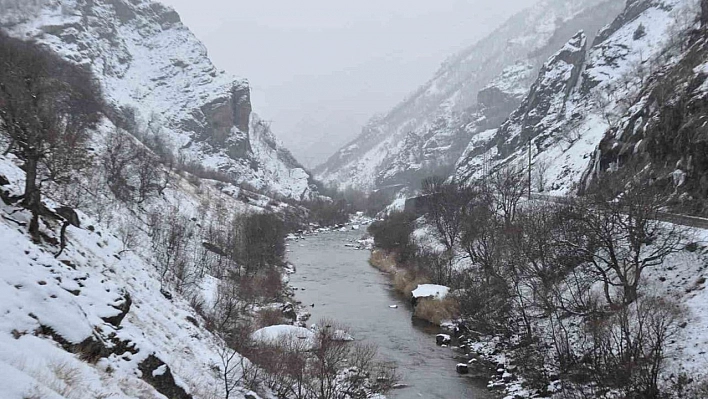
(405, 281)
(436, 311)
(386, 262)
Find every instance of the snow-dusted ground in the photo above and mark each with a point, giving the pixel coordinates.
(291, 336)
(49, 305)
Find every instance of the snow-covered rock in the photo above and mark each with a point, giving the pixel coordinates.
(292, 336)
(575, 100)
(660, 135)
(151, 66)
(430, 291)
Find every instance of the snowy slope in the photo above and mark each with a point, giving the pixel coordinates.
(660, 136)
(566, 113)
(92, 322)
(428, 131)
(149, 62)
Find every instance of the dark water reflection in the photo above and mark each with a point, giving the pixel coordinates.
(342, 285)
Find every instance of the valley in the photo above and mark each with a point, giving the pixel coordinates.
(530, 222)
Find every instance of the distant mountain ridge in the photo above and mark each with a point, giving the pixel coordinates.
(472, 92)
(579, 97)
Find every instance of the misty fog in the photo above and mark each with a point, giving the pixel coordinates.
(319, 70)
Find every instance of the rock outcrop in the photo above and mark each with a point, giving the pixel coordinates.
(573, 101)
(662, 138)
(155, 71)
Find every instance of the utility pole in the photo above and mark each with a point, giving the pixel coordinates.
(529, 167)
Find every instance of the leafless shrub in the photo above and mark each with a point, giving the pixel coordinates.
(629, 346)
(329, 368)
(394, 234)
(504, 189)
(685, 18)
(199, 171)
(133, 173)
(486, 304)
(447, 206)
(540, 171)
(258, 242)
(270, 317)
(172, 236)
(570, 135)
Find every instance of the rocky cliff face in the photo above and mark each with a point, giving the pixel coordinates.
(148, 61)
(576, 98)
(472, 92)
(543, 109)
(662, 138)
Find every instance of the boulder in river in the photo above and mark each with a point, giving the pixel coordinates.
(442, 339)
(462, 368)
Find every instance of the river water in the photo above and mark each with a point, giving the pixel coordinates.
(342, 286)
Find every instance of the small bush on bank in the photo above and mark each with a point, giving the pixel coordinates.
(394, 234)
(270, 317)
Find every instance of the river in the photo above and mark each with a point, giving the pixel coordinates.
(342, 286)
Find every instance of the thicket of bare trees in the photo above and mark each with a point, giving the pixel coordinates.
(47, 107)
(566, 276)
(325, 367)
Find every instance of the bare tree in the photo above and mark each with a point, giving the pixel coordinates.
(628, 348)
(540, 171)
(504, 190)
(447, 205)
(259, 241)
(172, 235)
(622, 237)
(231, 370)
(133, 173)
(47, 107)
(570, 135)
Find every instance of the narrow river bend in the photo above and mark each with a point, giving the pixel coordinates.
(342, 285)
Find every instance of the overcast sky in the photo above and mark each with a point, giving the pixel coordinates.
(319, 69)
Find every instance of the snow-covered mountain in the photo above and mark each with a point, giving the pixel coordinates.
(472, 93)
(149, 62)
(580, 95)
(110, 314)
(659, 133)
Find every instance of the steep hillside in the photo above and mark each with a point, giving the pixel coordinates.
(116, 293)
(104, 317)
(155, 71)
(580, 95)
(471, 93)
(661, 138)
